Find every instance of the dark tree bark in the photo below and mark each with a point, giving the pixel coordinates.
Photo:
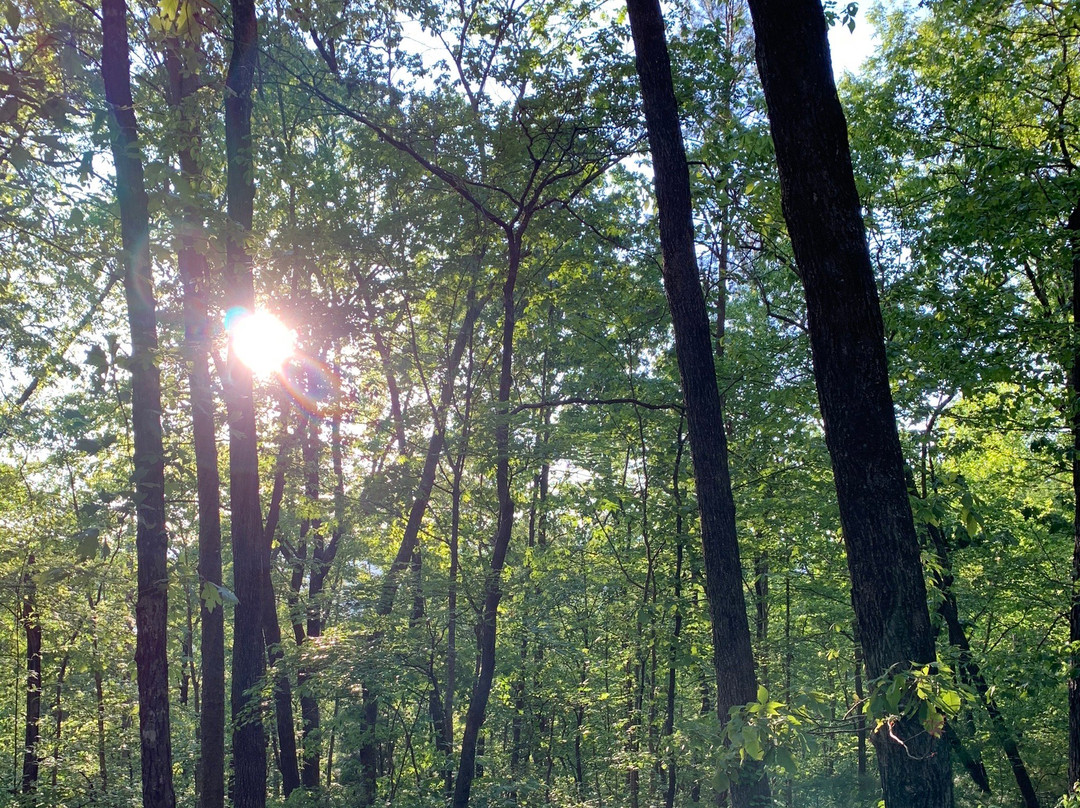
(1074, 428)
(821, 206)
(251, 558)
(195, 277)
(452, 588)
(32, 629)
(283, 701)
(736, 682)
(151, 539)
(859, 718)
(474, 716)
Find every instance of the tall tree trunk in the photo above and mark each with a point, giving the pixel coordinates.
(58, 702)
(451, 599)
(474, 717)
(99, 703)
(311, 531)
(32, 629)
(821, 206)
(736, 682)
(151, 540)
(251, 559)
(1074, 428)
(284, 749)
(283, 701)
(195, 278)
(669, 716)
(859, 718)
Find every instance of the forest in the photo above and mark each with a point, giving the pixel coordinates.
(560, 403)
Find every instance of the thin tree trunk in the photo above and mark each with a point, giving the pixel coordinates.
(821, 206)
(58, 701)
(451, 600)
(669, 716)
(761, 609)
(736, 682)
(431, 459)
(859, 717)
(251, 559)
(283, 706)
(474, 717)
(99, 703)
(367, 751)
(971, 674)
(195, 277)
(151, 541)
(32, 628)
(309, 705)
(330, 745)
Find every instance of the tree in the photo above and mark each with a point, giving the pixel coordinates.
(251, 557)
(821, 207)
(151, 610)
(182, 44)
(736, 681)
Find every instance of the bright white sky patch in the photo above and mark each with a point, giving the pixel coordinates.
(851, 48)
(261, 341)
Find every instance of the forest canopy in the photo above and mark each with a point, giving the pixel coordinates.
(539, 403)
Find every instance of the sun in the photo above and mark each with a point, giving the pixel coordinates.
(260, 340)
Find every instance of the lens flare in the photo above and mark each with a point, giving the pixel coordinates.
(312, 385)
(260, 340)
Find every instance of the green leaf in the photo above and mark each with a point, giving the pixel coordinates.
(90, 446)
(210, 596)
(783, 758)
(13, 16)
(88, 543)
(752, 743)
(950, 701)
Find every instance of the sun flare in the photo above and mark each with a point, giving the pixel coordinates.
(260, 340)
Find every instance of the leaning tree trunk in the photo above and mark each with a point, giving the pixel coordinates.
(821, 206)
(151, 539)
(250, 568)
(733, 657)
(195, 278)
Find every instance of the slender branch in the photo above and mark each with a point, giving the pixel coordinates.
(563, 402)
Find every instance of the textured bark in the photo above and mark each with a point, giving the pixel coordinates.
(251, 557)
(824, 220)
(151, 539)
(31, 762)
(736, 682)
(195, 278)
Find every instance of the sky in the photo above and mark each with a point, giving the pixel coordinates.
(851, 48)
